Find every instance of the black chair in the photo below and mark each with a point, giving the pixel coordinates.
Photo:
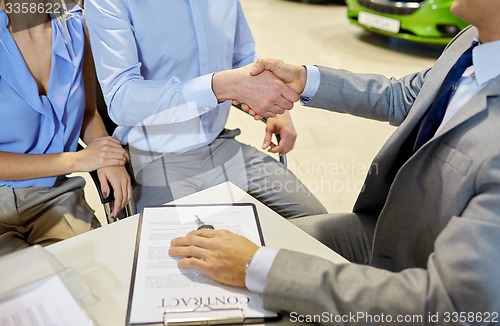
(129, 209)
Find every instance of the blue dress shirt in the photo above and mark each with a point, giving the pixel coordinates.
(34, 124)
(155, 61)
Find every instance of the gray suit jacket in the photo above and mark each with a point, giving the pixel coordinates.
(437, 240)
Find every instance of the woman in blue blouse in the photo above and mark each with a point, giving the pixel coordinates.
(47, 102)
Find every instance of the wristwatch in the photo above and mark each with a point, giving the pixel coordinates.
(248, 264)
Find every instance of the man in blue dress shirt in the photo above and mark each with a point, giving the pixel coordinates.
(169, 70)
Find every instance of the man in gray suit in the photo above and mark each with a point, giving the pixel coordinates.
(425, 232)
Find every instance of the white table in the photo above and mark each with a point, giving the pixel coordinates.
(103, 257)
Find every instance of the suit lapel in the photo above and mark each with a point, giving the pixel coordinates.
(387, 159)
(475, 106)
(433, 82)
(438, 73)
(392, 148)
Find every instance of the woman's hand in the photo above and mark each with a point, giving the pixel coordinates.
(99, 153)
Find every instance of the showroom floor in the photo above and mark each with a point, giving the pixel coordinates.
(333, 151)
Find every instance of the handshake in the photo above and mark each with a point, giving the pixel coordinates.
(265, 88)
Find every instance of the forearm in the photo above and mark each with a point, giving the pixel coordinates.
(320, 287)
(17, 166)
(92, 127)
(137, 100)
(370, 96)
(438, 289)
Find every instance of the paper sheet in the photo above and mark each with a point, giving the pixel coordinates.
(44, 303)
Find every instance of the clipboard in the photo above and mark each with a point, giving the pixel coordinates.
(207, 302)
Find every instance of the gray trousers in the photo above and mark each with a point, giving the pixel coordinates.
(350, 235)
(177, 175)
(38, 215)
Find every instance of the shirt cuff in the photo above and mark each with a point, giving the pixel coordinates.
(259, 268)
(199, 91)
(312, 83)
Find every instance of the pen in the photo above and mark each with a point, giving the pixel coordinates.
(202, 225)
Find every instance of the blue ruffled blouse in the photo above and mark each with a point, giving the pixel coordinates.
(34, 124)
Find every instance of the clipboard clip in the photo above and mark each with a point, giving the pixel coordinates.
(205, 315)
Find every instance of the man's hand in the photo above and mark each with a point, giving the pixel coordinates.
(119, 179)
(294, 76)
(281, 125)
(219, 254)
(264, 93)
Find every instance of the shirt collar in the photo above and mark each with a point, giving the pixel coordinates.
(60, 47)
(4, 20)
(486, 60)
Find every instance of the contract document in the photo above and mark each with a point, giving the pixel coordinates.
(46, 302)
(161, 293)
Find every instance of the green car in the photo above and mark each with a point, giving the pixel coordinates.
(425, 21)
